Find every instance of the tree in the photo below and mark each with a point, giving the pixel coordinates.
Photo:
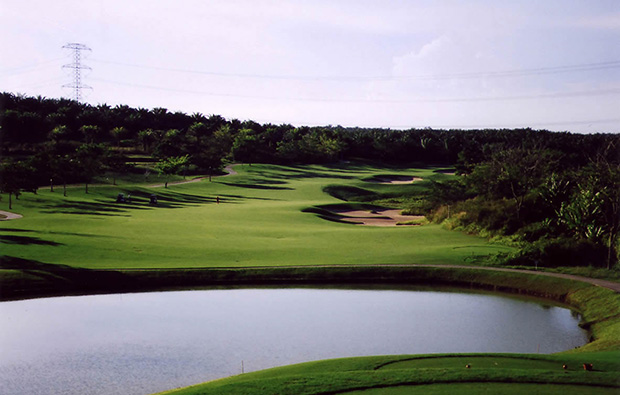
(169, 143)
(118, 133)
(60, 132)
(602, 177)
(62, 166)
(92, 133)
(15, 177)
(116, 163)
(8, 180)
(209, 151)
(511, 174)
(88, 160)
(170, 166)
(146, 138)
(244, 147)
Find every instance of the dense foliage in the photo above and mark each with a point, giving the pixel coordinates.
(558, 194)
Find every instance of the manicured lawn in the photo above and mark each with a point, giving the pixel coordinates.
(520, 373)
(488, 388)
(258, 222)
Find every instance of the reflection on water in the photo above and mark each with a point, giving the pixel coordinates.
(149, 342)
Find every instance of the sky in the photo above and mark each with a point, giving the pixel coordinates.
(552, 64)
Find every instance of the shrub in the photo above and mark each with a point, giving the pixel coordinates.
(537, 230)
(563, 251)
(417, 207)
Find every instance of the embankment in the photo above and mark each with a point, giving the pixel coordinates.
(600, 307)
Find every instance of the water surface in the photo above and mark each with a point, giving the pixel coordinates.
(148, 342)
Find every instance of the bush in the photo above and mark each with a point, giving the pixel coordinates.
(417, 207)
(495, 216)
(562, 251)
(440, 214)
(537, 230)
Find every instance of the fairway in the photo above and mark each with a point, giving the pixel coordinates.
(258, 221)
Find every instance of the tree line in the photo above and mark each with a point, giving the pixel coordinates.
(556, 192)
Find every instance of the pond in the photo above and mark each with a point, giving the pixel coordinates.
(147, 342)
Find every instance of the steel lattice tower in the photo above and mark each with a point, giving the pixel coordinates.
(76, 69)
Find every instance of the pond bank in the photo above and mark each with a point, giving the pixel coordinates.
(599, 306)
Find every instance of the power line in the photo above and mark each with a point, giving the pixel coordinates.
(517, 125)
(615, 64)
(553, 95)
(38, 84)
(26, 68)
(497, 125)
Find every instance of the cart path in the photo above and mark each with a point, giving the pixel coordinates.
(9, 215)
(229, 169)
(614, 286)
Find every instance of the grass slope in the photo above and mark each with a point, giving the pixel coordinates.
(441, 374)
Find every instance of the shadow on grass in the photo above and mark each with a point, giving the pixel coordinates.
(26, 240)
(137, 199)
(348, 193)
(29, 278)
(331, 212)
(228, 198)
(341, 170)
(299, 173)
(257, 185)
(84, 208)
(10, 262)
(48, 232)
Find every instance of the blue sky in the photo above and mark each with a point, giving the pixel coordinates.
(541, 64)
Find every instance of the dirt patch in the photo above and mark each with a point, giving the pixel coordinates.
(376, 217)
(394, 180)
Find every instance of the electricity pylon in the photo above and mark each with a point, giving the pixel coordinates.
(77, 67)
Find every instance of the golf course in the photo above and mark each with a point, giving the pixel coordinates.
(266, 216)
(310, 197)
(300, 225)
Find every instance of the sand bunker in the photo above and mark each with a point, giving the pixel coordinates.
(376, 217)
(394, 179)
(5, 216)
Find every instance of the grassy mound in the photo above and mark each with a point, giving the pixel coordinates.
(441, 374)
